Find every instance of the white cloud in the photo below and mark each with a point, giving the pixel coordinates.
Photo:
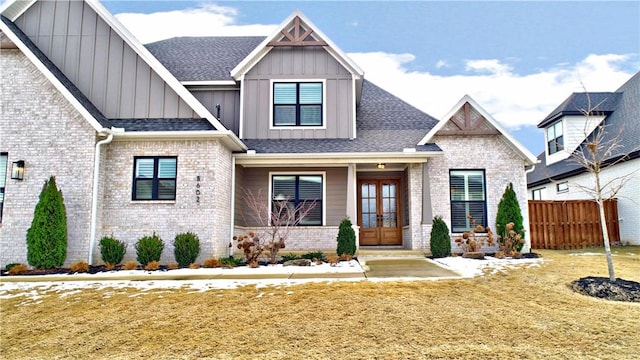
(206, 20)
(514, 100)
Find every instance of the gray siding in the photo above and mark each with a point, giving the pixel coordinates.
(229, 101)
(94, 57)
(298, 63)
(257, 180)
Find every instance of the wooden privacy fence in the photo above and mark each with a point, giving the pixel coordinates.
(571, 224)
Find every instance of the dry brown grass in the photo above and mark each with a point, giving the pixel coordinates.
(526, 313)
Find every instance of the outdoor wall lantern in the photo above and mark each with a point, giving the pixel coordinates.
(380, 166)
(17, 170)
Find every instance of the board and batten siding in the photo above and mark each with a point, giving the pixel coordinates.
(229, 101)
(298, 63)
(256, 180)
(99, 62)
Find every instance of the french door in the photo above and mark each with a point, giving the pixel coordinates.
(379, 212)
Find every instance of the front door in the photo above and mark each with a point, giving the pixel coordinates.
(379, 212)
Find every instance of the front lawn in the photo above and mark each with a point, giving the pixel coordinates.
(523, 313)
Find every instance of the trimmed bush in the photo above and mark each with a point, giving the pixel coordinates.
(346, 238)
(509, 212)
(112, 250)
(148, 249)
(47, 236)
(186, 248)
(440, 243)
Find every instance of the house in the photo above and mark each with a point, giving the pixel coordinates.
(167, 138)
(567, 128)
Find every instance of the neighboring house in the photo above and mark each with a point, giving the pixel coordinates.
(166, 138)
(567, 128)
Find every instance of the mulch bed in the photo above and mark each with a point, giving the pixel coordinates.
(603, 288)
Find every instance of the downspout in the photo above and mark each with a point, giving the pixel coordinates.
(94, 196)
(233, 201)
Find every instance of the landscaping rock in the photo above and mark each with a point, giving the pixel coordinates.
(473, 255)
(298, 262)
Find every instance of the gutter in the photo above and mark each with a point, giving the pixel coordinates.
(94, 196)
(233, 202)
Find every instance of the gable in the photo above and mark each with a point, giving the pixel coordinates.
(467, 121)
(468, 118)
(298, 34)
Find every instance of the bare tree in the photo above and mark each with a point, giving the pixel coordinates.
(598, 152)
(276, 219)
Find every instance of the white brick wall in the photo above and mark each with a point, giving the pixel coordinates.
(39, 126)
(491, 153)
(130, 220)
(311, 238)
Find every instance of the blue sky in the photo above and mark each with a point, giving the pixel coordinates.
(518, 60)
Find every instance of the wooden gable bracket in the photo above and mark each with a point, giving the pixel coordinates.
(299, 37)
(466, 126)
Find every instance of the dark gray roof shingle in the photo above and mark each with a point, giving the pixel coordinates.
(162, 124)
(203, 58)
(600, 102)
(623, 120)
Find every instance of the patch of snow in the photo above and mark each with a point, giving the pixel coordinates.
(466, 268)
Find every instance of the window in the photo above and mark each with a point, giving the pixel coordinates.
(295, 190)
(467, 198)
(3, 179)
(562, 187)
(297, 104)
(555, 141)
(154, 178)
(536, 194)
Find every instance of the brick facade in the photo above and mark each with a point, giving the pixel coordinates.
(491, 153)
(209, 217)
(39, 126)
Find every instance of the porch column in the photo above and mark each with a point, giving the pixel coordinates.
(352, 198)
(416, 205)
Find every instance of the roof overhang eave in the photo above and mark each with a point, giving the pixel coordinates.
(226, 137)
(334, 158)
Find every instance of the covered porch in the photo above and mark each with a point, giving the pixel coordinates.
(387, 199)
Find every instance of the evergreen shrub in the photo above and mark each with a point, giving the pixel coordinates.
(509, 212)
(186, 248)
(346, 238)
(440, 243)
(148, 249)
(112, 250)
(47, 236)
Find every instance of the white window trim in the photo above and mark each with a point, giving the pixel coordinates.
(560, 191)
(533, 191)
(298, 127)
(298, 173)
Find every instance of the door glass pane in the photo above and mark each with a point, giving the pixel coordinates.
(365, 191)
(372, 220)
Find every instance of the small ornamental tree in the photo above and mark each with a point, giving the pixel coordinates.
(509, 212)
(346, 238)
(440, 243)
(47, 236)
